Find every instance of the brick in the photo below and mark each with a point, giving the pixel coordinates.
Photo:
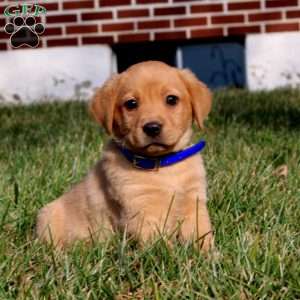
(164, 11)
(62, 42)
(38, 20)
(281, 3)
(78, 4)
(190, 22)
(293, 14)
(282, 27)
(174, 35)
(118, 26)
(97, 15)
(131, 13)
(242, 30)
(4, 35)
(61, 19)
(2, 8)
(41, 44)
(114, 2)
(244, 5)
(264, 16)
(3, 46)
(213, 32)
(150, 1)
(204, 8)
(130, 38)
(82, 29)
(2, 22)
(50, 6)
(89, 40)
(227, 19)
(154, 24)
(52, 31)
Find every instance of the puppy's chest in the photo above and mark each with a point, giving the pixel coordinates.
(127, 183)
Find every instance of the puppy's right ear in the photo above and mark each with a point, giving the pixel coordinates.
(103, 103)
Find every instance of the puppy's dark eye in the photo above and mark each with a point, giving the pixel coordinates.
(172, 100)
(131, 104)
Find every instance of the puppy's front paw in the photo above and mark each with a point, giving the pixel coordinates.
(205, 243)
(197, 228)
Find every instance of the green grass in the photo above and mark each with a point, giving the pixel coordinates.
(256, 215)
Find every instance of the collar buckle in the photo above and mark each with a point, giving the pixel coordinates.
(156, 161)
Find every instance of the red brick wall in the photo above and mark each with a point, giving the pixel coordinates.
(83, 22)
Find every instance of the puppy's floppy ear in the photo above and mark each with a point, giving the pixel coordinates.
(103, 103)
(201, 97)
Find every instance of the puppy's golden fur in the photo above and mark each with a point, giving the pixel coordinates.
(116, 195)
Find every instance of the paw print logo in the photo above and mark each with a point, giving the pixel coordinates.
(24, 31)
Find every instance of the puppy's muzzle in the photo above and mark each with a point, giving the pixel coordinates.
(152, 129)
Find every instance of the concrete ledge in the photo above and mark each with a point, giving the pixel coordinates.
(272, 60)
(65, 73)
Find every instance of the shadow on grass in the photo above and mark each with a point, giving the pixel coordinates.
(39, 125)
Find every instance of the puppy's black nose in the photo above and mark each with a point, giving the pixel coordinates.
(152, 129)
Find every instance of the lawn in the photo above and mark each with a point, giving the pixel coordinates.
(255, 211)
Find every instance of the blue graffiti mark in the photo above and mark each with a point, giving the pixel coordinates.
(230, 72)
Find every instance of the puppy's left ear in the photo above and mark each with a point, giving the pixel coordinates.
(103, 103)
(200, 95)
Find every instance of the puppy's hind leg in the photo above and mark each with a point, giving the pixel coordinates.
(51, 224)
(64, 220)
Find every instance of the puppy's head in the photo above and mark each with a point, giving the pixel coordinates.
(150, 107)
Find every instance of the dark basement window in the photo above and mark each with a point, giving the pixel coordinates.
(218, 62)
(130, 54)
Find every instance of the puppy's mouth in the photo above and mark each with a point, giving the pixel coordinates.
(154, 149)
(156, 145)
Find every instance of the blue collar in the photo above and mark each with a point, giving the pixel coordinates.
(154, 163)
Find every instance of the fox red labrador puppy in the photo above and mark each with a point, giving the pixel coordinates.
(150, 179)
